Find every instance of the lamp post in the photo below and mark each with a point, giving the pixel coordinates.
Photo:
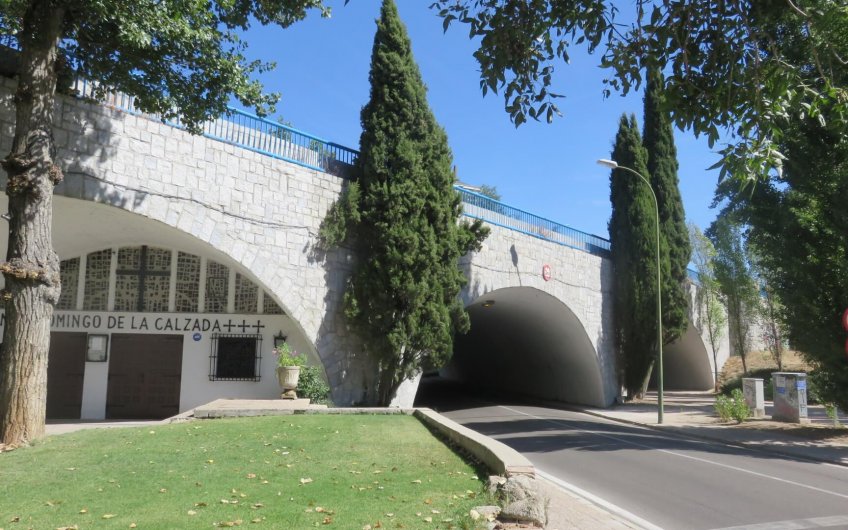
(612, 164)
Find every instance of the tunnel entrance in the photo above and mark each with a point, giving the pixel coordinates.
(526, 342)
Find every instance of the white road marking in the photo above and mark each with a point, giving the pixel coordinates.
(797, 524)
(606, 505)
(666, 451)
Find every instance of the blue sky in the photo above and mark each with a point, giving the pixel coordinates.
(548, 170)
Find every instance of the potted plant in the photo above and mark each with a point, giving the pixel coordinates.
(288, 369)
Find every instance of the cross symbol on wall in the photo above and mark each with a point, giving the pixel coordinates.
(258, 326)
(244, 325)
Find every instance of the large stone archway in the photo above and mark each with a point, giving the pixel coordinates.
(525, 341)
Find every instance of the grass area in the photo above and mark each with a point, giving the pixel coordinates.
(289, 472)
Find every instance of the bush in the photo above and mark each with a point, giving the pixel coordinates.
(311, 385)
(732, 407)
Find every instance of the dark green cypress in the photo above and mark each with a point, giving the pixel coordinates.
(675, 249)
(632, 229)
(403, 295)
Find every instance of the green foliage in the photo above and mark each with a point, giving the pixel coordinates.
(490, 191)
(732, 407)
(735, 280)
(710, 310)
(675, 250)
(286, 356)
(402, 298)
(632, 229)
(761, 373)
(312, 386)
(737, 70)
(799, 227)
(343, 214)
(182, 60)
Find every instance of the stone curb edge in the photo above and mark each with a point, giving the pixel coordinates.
(497, 456)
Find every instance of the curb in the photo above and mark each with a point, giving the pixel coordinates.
(497, 456)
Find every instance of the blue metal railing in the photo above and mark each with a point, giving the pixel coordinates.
(281, 141)
(250, 132)
(479, 206)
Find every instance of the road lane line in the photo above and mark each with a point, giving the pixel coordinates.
(704, 460)
(594, 499)
(797, 524)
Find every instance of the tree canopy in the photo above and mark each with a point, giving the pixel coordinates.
(179, 59)
(674, 248)
(403, 296)
(632, 229)
(735, 70)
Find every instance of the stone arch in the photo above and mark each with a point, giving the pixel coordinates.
(687, 364)
(525, 341)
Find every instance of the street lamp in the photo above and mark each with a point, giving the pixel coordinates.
(612, 164)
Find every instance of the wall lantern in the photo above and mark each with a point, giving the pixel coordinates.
(97, 349)
(279, 340)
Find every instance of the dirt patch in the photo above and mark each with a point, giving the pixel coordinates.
(793, 361)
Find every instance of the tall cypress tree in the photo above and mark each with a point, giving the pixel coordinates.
(632, 229)
(675, 248)
(403, 297)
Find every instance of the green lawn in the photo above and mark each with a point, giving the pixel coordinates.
(290, 472)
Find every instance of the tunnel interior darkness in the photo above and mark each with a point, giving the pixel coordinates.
(524, 341)
(686, 363)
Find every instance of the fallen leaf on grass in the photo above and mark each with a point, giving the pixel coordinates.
(416, 481)
(192, 512)
(74, 527)
(108, 516)
(305, 480)
(327, 520)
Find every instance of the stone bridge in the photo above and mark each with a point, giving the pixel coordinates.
(205, 247)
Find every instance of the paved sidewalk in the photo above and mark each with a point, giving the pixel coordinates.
(693, 414)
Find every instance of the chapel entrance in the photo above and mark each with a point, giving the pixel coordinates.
(65, 374)
(144, 376)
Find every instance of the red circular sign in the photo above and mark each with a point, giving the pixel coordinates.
(845, 320)
(546, 272)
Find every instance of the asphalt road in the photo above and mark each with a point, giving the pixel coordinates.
(668, 481)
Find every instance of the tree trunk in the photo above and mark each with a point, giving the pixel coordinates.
(32, 267)
(387, 386)
(645, 382)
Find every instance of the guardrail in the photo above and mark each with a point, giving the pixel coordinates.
(281, 141)
(250, 132)
(479, 206)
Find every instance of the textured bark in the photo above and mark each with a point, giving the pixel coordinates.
(32, 267)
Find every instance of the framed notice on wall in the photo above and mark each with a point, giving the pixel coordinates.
(98, 348)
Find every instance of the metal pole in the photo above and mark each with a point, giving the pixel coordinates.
(659, 299)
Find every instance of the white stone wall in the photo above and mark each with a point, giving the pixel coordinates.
(262, 212)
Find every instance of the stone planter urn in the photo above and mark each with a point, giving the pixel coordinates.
(288, 377)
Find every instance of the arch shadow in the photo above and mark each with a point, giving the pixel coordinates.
(686, 363)
(525, 341)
